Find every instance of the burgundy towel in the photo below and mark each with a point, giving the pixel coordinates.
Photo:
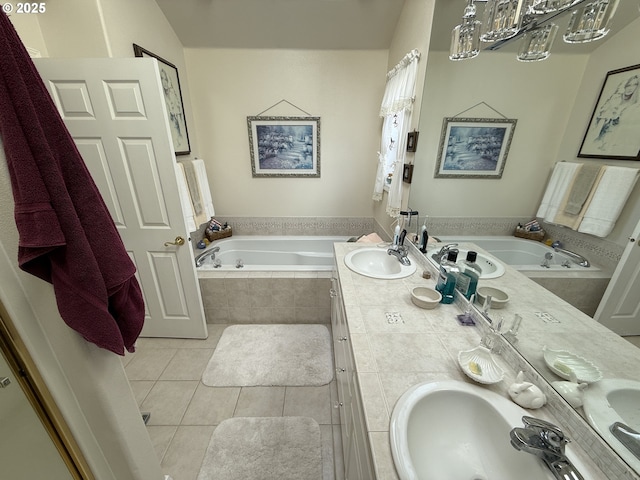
(67, 236)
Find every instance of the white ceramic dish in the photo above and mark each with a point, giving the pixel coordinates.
(498, 298)
(425, 297)
(478, 364)
(562, 363)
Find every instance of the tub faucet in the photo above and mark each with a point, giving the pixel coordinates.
(579, 259)
(547, 442)
(200, 259)
(400, 252)
(443, 251)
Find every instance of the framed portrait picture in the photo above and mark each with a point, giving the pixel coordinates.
(173, 101)
(284, 146)
(474, 147)
(614, 129)
(412, 141)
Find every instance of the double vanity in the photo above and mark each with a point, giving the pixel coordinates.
(400, 386)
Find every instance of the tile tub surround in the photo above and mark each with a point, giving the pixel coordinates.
(598, 250)
(265, 297)
(353, 226)
(390, 358)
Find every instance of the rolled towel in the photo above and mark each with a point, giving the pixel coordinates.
(582, 185)
(610, 197)
(561, 178)
(203, 184)
(185, 198)
(371, 238)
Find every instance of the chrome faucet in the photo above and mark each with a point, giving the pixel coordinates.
(547, 442)
(200, 259)
(577, 258)
(400, 252)
(443, 251)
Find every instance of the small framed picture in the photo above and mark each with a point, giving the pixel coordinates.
(407, 173)
(412, 141)
(474, 147)
(284, 146)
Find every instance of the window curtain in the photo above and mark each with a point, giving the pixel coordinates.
(396, 109)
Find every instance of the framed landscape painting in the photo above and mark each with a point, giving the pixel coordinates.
(284, 146)
(474, 147)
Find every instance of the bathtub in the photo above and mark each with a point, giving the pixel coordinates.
(273, 253)
(582, 287)
(520, 253)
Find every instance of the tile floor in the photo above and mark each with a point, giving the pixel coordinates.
(165, 378)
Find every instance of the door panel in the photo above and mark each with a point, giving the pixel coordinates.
(115, 111)
(619, 308)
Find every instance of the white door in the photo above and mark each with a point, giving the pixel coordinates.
(114, 109)
(619, 308)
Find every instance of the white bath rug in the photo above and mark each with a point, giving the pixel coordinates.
(264, 448)
(271, 355)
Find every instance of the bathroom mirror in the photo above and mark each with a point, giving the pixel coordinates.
(544, 97)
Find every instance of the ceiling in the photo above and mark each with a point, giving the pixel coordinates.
(328, 24)
(290, 24)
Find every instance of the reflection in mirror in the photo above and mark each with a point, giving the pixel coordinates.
(552, 101)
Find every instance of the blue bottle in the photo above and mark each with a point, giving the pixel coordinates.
(447, 277)
(470, 272)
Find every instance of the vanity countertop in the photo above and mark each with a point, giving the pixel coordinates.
(424, 344)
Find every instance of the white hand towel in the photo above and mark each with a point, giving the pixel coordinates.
(185, 198)
(610, 197)
(561, 178)
(203, 182)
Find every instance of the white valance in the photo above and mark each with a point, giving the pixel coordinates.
(399, 92)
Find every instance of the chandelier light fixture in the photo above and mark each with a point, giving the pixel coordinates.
(465, 38)
(532, 21)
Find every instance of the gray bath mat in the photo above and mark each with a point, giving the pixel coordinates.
(271, 355)
(264, 448)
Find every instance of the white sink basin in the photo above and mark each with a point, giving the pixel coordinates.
(614, 400)
(491, 268)
(377, 263)
(453, 430)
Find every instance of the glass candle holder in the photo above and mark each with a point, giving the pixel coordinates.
(548, 6)
(465, 38)
(501, 19)
(536, 43)
(590, 21)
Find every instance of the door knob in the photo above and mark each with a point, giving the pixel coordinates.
(178, 241)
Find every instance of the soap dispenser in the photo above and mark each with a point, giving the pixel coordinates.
(449, 271)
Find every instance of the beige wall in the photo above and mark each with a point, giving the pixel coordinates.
(344, 88)
(509, 87)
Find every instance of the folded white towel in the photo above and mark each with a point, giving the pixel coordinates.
(610, 197)
(561, 178)
(185, 198)
(203, 183)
